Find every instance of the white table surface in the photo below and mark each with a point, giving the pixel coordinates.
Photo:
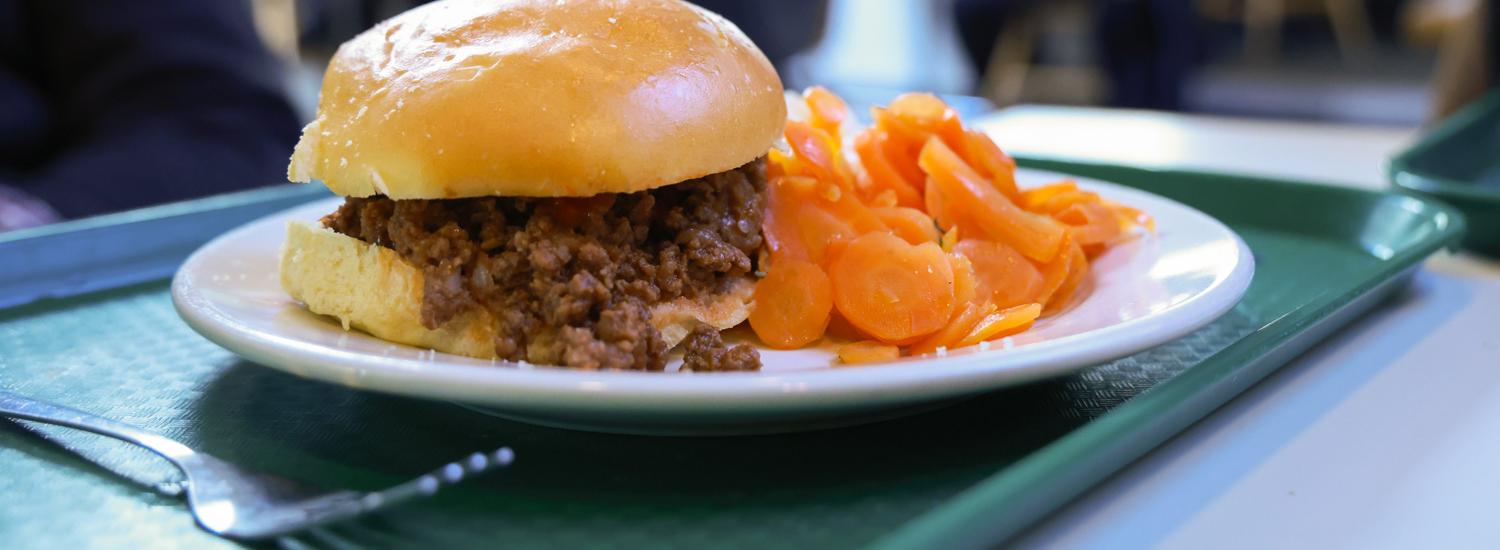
(1387, 435)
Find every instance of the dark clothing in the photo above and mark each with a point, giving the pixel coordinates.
(107, 105)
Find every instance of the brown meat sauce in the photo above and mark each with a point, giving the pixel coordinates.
(572, 280)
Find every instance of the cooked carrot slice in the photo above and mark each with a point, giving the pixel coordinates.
(955, 330)
(820, 152)
(883, 199)
(892, 290)
(780, 227)
(1055, 272)
(1032, 199)
(950, 239)
(965, 284)
(828, 109)
(1131, 217)
(883, 175)
(992, 163)
(868, 351)
(1004, 276)
(839, 327)
(1001, 323)
(908, 223)
(1066, 295)
(924, 115)
(1090, 223)
(820, 229)
(1059, 202)
(791, 305)
(901, 145)
(1034, 236)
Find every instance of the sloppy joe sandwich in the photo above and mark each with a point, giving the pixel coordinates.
(577, 183)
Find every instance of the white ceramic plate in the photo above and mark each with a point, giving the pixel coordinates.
(1147, 292)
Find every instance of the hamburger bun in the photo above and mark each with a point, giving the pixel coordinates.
(539, 98)
(369, 287)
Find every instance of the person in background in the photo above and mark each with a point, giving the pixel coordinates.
(108, 105)
(1469, 63)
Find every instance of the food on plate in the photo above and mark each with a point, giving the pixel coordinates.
(576, 183)
(919, 232)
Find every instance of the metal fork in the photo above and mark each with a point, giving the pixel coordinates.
(234, 502)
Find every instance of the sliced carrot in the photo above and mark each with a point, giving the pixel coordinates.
(839, 327)
(1090, 223)
(1066, 295)
(908, 223)
(932, 200)
(820, 152)
(955, 330)
(950, 239)
(1055, 272)
(791, 305)
(1004, 276)
(1001, 323)
(1032, 199)
(1059, 202)
(992, 163)
(780, 227)
(820, 229)
(1034, 236)
(1131, 217)
(868, 351)
(924, 115)
(883, 199)
(901, 145)
(884, 175)
(828, 109)
(965, 284)
(892, 290)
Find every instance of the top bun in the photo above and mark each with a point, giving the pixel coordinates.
(542, 98)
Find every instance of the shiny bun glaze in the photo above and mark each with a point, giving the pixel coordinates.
(464, 98)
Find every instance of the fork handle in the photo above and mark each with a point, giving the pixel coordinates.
(26, 408)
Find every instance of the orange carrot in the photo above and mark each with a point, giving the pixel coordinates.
(780, 227)
(1090, 223)
(883, 199)
(820, 152)
(868, 351)
(992, 163)
(965, 284)
(1059, 202)
(950, 239)
(883, 175)
(892, 290)
(839, 327)
(828, 110)
(791, 305)
(1001, 323)
(1003, 275)
(1033, 198)
(908, 223)
(955, 330)
(1055, 272)
(1034, 236)
(923, 115)
(1078, 271)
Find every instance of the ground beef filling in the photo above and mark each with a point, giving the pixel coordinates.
(572, 280)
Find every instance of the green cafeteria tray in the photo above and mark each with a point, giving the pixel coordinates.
(1459, 163)
(970, 474)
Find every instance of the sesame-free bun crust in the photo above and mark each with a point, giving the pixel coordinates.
(466, 98)
(369, 287)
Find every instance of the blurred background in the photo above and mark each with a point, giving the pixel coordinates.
(1369, 62)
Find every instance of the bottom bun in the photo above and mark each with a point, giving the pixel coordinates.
(369, 287)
